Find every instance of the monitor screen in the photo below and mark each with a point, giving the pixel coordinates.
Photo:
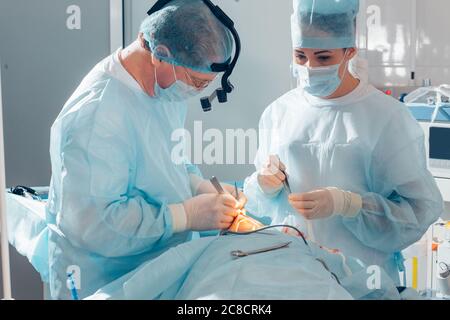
(440, 143)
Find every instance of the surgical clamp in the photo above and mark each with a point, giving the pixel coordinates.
(240, 253)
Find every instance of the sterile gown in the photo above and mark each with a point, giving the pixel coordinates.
(365, 142)
(112, 180)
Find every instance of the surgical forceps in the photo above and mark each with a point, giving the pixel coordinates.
(240, 253)
(215, 182)
(286, 185)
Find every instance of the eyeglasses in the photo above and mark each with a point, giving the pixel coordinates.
(198, 83)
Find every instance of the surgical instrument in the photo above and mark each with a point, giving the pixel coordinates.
(236, 190)
(328, 269)
(268, 227)
(286, 185)
(240, 253)
(73, 288)
(215, 182)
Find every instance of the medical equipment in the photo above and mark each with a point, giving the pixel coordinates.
(286, 185)
(227, 87)
(433, 97)
(215, 182)
(240, 253)
(437, 137)
(71, 285)
(443, 279)
(266, 228)
(26, 192)
(328, 269)
(443, 267)
(439, 152)
(6, 271)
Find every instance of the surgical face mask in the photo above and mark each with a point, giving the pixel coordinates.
(320, 81)
(178, 91)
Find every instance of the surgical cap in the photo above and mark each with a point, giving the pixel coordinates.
(324, 24)
(186, 33)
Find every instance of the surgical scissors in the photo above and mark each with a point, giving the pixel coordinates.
(240, 253)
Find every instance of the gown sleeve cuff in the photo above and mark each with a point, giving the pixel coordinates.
(346, 203)
(179, 219)
(355, 205)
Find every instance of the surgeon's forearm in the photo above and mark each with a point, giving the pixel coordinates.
(116, 228)
(392, 225)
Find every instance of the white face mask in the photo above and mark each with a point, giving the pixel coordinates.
(178, 91)
(320, 81)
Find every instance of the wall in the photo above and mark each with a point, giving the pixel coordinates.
(405, 36)
(261, 75)
(45, 54)
(263, 71)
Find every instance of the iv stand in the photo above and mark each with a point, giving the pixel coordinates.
(7, 295)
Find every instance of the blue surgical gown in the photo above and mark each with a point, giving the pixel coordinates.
(113, 178)
(365, 142)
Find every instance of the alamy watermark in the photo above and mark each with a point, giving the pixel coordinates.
(214, 146)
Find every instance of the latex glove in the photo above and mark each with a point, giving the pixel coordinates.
(210, 211)
(202, 186)
(270, 177)
(231, 190)
(323, 203)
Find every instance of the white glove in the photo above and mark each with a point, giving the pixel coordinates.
(202, 186)
(323, 203)
(210, 211)
(270, 177)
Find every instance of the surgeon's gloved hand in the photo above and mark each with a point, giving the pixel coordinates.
(323, 203)
(210, 211)
(242, 197)
(202, 186)
(271, 177)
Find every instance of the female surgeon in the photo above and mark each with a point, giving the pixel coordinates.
(118, 196)
(354, 157)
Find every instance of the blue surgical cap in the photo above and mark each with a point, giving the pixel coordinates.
(324, 24)
(186, 33)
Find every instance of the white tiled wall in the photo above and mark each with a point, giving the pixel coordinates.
(405, 36)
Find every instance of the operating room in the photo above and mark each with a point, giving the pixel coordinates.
(225, 149)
